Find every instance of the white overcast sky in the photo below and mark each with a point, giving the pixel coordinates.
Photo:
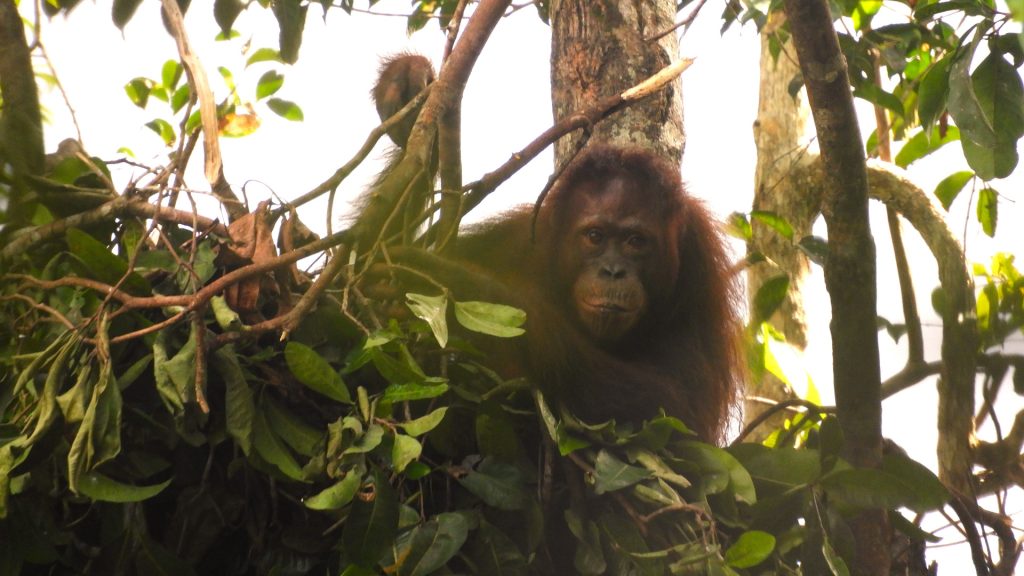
(506, 106)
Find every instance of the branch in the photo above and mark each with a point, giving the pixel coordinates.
(214, 167)
(387, 197)
(118, 207)
(478, 190)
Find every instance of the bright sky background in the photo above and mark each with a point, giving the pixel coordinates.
(506, 106)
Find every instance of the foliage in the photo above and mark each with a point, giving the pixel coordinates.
(150, 425)
(127, 449)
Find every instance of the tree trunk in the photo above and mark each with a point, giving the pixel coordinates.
(600, 47)
(850, 268)
(777, 135)
(21, 126)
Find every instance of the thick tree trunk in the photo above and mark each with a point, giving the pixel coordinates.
(601, 47)
(21, 126)
(777, 136)
(850, 269)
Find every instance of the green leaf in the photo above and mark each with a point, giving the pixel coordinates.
(499, 485)
(138, 90)
(429, 546)
(990, 163)
(291, 18)
(752, 548)
(103, 265)
(879, 97)
(371, 526)
(312, 370)
(407, 392)
(225, 12)
(269, 84)
(263, 55)
(495, 554)
(424, 424)
(298, 435)
(492, 319)
(963, 103)
(778, 470)
(369, 440)
(611, 474)
(286, 109)
(739, 226)
(815, 248)
(775, 222)
(835, 562)
(99, 487)
(923, 144)
(951, 186)
(404, 450)
(180, 97)
(170, 74)
(928, 491)
(868, 488)
(270, 449)
(123, 10)
(988, 210)
(163, 129)
(1000, 93)
(433, 310)
(239, 407)
(337, 496)
(770, 296)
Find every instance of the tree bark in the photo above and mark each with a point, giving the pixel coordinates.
(601, 47)
(21, 125)
(850, 268)
(777, 134)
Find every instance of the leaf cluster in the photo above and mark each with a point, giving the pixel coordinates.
(182, 450)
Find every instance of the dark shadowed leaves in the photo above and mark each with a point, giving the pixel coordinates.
(373, 523)
(312, 370)
(611, 474)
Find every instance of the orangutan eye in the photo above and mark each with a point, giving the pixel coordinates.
(637, 242)
(594, 235)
